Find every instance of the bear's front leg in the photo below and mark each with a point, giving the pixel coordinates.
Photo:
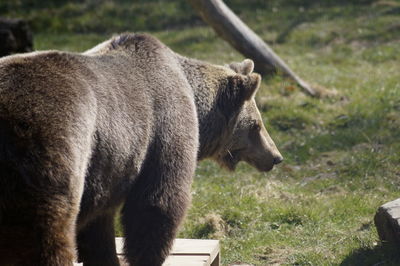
(153, 211)
(96, 242)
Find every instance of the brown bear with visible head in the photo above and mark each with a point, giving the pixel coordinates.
(83, 134)
(230, 133)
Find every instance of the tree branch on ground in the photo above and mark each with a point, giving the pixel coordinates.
(229, 26)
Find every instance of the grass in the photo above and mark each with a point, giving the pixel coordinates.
(341, 153)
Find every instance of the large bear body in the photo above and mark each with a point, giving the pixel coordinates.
(83, 134)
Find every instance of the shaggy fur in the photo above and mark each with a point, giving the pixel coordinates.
(230, 130)
(82, 134)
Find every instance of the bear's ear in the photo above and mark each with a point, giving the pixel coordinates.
(251, 83)
(237, 91)
(245, 68)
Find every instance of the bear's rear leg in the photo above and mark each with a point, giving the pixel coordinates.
(149, 238)
(96, 242)
(56, 222)
(38, 215)
(42, 233)
(151, 216)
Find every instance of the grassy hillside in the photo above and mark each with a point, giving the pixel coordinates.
(341, 154)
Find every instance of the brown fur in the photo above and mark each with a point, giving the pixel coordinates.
(230, 133)
(81, 134)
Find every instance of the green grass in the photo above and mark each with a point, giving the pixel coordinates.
(341, 154)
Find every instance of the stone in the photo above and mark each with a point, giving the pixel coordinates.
(387, 222)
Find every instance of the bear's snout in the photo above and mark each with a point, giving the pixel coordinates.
(278, 159)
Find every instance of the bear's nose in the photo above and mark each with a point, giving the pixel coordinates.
(278, 159)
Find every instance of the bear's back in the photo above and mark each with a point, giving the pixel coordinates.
(135, 94)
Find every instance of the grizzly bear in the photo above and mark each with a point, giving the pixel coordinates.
(83, 134)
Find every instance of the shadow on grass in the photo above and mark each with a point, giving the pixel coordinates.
(379, 255)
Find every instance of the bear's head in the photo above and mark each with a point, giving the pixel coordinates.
(248, 140)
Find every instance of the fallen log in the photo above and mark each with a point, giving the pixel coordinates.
(242, 38)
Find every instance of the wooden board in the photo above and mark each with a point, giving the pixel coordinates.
(185, 252)
(190, 252)
(191, 260)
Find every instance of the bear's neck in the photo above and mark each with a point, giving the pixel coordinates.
(205, 80)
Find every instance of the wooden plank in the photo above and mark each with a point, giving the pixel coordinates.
(184, 247)
(216, 261)
(190, 252)
(187, 260)
(196, 247)
(178, 260)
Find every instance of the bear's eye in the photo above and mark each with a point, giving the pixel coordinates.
(256, 126)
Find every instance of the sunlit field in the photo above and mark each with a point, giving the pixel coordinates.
(342, 153)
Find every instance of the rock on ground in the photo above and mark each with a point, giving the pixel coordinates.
(387, 222)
